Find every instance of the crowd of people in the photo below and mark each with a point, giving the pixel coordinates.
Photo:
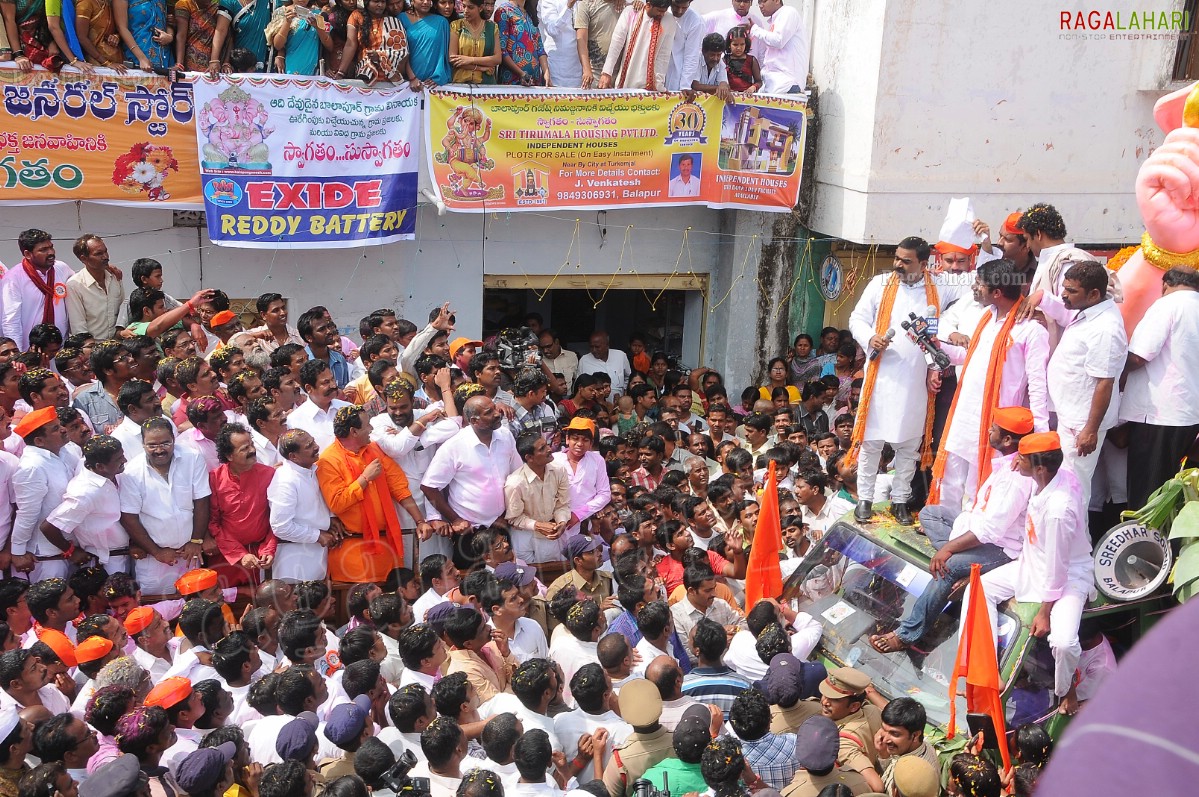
(658, 45)
(275, 560)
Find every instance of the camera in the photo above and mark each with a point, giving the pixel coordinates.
(643, 788)
(518, 348)
(397, 779)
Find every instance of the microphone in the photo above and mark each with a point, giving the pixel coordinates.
(918, 332)
(934, 320)
(874, 353)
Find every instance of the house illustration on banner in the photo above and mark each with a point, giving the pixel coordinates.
(530, 182)
(760, 144)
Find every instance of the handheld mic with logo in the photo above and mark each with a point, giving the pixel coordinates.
(934, 320)
(874, 353)
(918, 332)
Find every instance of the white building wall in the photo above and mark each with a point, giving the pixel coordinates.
(919, 102)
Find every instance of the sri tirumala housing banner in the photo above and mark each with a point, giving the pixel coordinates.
(495, 149)
(306, 163)
(122, 139)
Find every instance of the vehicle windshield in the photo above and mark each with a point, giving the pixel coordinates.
(856, 588)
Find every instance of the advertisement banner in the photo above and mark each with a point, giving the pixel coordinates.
(495, 150)
(306, 163)
(124, 139)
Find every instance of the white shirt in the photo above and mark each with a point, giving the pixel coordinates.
(261, 740)
(1022, 384)
(187, 741)
(1057, 549)
(742, 654)
(264, 450)
(187, 665)
(686, 51)
(194, 440)
(155, 666)
(566, 363)
(571, 725)
(781, 45)
(165, 507)
(90, 515)
(677, 187)
(413, 454)
(417, 677)
(474, 473)
(590, 489)
(1093, 346)
(901, 368)
(23, 303)
(54, 700)
(298, 516)
(709, 77)
(673, 710)
(834, 507)
(1165, 391)
(998, 514)
(648, 652)
(508, 702)
(8, 467)
(425, 602)
(556, 20)
(317, 422)
(38, 486)
(961, 316)
(616, 366)
(723, 21)
(528, 641)
(129, 435)
(571, 654)
(392, 667)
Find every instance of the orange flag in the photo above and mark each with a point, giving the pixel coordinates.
(764, 576)
(978, 664)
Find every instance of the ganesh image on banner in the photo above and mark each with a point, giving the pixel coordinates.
(145, 169)
(235, 125)
(464, 151)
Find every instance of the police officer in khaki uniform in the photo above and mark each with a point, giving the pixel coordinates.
(843, 700)
(816, 753)
(649, 743)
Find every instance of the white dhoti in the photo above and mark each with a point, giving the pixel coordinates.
(156, 578)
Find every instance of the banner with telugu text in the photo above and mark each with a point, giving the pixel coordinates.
(492, 149)
(306, 163)
(124, 139)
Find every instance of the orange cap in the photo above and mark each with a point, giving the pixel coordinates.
(944, 247)
(93, 648)
(35, 420)
(169, 692)
(1017, 420)
(1040, 443)
(61, 646)
(578, 424)
(139, 619)
(459, 343)
(194, 581)
(222, 318)
(1011, 223)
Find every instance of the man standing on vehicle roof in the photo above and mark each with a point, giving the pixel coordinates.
(990, 533)
(1055, 567)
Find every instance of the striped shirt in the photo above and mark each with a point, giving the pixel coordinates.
(716, 685)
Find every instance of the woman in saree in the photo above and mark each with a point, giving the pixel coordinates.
(428, 42)
(247, 22)
(142, 26)
(338, 17)
(474, 46)
(378, 41)
(97, 30)
(300, 34)
(196, 24)
(524, 60)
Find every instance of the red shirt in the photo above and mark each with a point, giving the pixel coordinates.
(643, 478)
(240, 515)
(671, 569)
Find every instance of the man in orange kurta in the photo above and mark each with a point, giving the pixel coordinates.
(362, 485)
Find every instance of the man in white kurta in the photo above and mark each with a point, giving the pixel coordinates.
(782, 45)
(724, 20)
(687, 50)
(1161, 394)
(900, 396)
(41, 480)
(556, 20)
(638, 35)
(1055, 567)
(299, 516)
(24, 302)
(165, 507)
(411, 443)
(89, 514)
(1089, 358)
(1022, 382)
